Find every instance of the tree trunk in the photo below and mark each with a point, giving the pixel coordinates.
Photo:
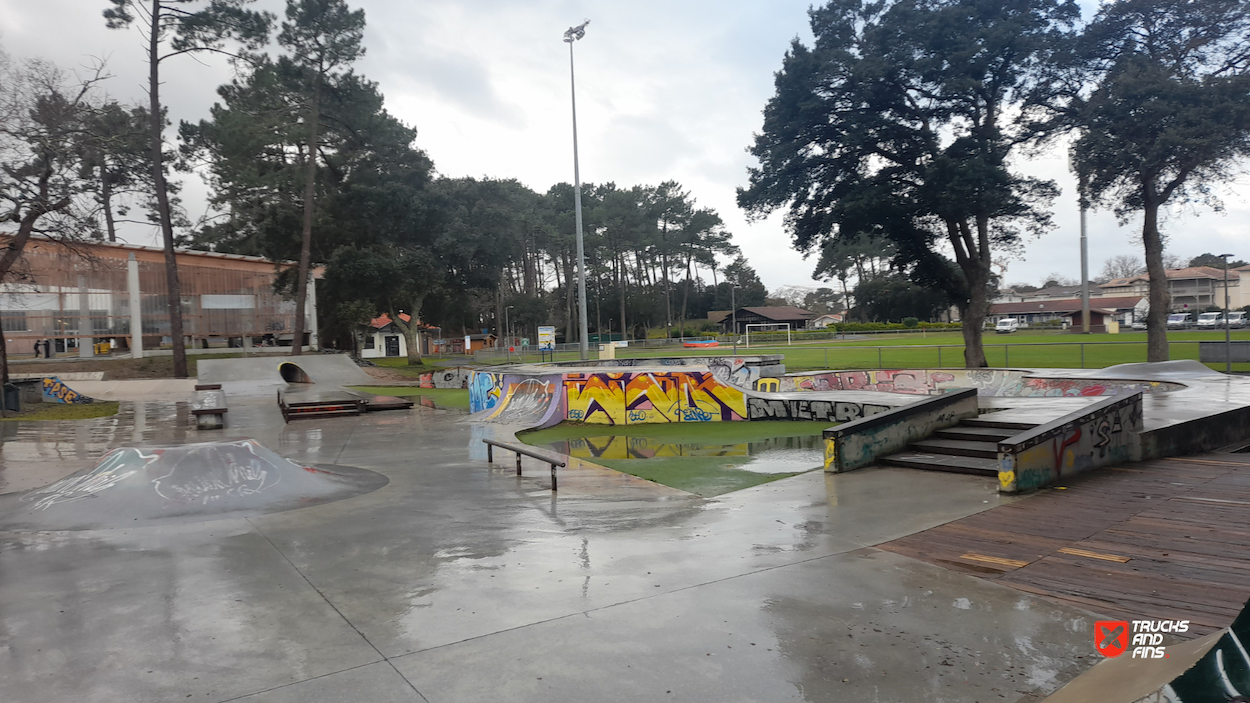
(570, 284)
(173, 289)
(410, 330)
(974, 319)
(1160, 303)
(106, 201)
(305, 250)
(620, 277)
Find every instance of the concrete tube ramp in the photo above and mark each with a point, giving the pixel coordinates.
(136, 486)
(257, 375)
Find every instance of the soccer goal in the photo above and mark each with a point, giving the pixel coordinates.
(768, 327)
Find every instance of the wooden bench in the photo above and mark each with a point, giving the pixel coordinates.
(209, 407)
(527, 451)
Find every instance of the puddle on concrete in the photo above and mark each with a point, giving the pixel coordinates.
(778, 455)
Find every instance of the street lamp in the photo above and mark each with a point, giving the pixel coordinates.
(570, 36)
(507, 326)
(733, 315)
(1228, 335)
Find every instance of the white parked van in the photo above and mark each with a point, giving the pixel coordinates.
(1208, 320)
(1007, 325)
(1237, 319)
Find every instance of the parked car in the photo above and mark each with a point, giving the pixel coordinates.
(1007, 325)
(1237, 319)
(1139, 325)
(1180, 320)
(1210, 320)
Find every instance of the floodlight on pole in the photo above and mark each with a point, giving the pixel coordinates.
(570, 36)
(1228, 334)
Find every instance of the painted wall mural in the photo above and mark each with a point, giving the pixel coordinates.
(635, 398)
(485, 390)
(791, 409)
(455, 377)
(54, 391)
(988, 382)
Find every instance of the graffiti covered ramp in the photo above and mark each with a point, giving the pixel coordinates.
(137, 486)
(533, 396)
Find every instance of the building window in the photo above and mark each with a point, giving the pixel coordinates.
(13, 321)
(369, 341)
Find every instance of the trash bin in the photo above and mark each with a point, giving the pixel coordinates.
(12, 398)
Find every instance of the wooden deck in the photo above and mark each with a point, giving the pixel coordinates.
(1165, 539)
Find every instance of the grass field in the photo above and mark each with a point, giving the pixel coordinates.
(457, 398)
(65, 411)
(702, 475)
(945, 349)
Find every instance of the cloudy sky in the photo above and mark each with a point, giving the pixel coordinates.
(666, 90)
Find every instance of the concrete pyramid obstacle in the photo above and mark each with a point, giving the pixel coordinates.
(133, 486)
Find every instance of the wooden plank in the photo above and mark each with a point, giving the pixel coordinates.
(1093, 555)
(1165, 539)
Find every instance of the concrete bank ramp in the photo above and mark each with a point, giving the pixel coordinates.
(261, 375)
(137, 486)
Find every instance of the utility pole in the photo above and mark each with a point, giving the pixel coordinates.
(1228, 333)
(733, 315)
(1084, 262)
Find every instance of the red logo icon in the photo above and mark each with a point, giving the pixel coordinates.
(1111, 637)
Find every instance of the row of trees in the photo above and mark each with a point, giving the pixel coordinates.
(305, 163)
(902, 120)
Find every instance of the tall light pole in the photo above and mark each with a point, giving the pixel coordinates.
(1228, 334)
(507, 326)
(1084, 261)
(733, 315)
(570, 36)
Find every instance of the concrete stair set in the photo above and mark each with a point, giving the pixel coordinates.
(971, 447)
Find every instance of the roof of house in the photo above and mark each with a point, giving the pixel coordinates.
(781, 312)
(718, 315)
(1053, 292)
(1178, 274)
(832, 316)
(384, 319)
(1066, 305)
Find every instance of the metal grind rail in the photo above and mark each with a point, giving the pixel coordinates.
(521, 449)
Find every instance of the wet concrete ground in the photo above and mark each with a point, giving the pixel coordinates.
(461, 582)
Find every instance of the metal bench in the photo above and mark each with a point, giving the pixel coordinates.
(209, 407)
(527, 451)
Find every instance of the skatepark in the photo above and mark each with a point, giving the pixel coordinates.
(379, 556)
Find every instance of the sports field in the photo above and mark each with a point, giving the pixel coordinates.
(945, 349)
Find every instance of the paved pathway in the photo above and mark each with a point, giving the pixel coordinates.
(458, 582)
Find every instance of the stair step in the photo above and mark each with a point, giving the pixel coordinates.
(956, 447)
(986, 421)
(975, 434)
(943, 462)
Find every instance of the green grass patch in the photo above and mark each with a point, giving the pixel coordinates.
(1028, 349)
(702, 475)
(457, 398)
(65, 411)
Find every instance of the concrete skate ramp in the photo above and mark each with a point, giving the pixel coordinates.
(1124, 379)
(137, 486)
(528, 402)
(256, 375)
